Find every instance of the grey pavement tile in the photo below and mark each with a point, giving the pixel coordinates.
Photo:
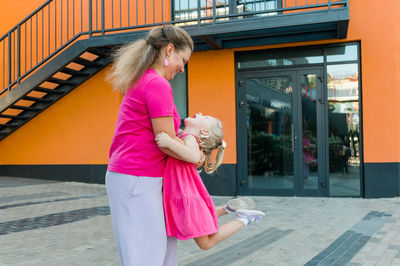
(6, 181)
(49, 201)
(348, 244)
(396, 247)
(32, 196)
(51, 220)
(242, 249)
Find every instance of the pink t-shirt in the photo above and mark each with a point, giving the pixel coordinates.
(133, 149)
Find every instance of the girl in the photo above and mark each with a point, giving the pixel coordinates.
(189, 210)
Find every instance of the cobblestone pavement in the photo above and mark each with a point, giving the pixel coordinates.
(68, 223)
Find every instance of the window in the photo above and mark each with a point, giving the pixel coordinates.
(281, 58)
(179, 87)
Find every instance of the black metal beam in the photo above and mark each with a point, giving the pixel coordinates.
(214, 44)
(342, 28)
(45, 90)
(13, 116)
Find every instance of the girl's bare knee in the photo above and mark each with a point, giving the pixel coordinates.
(203, 243)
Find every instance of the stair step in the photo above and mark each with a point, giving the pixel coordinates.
(26, 108)
(9, 125)
(74, 72)
(14, 116)
(98, 52)
(49, 90)
(29, 98)
(85, 62)
(60, 81)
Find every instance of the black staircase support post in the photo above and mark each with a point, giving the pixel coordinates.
(198, 13)
(90, 19)
(19, 54)
(103, 19)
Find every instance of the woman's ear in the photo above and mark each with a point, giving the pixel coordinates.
(204, 133)
(169, 48)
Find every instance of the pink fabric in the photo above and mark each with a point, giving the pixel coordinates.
(133, 149)
(188, 208)
(309, 155)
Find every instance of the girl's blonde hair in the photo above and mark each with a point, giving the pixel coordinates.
(210, 143)
(131, 60)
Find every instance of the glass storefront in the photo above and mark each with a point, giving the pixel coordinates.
(302, 116)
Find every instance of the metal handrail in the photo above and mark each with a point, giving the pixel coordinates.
(23, 48)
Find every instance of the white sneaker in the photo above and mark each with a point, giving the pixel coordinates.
(239, 203)
(249, 216)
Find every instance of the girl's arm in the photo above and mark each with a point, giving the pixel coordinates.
(189, 151)
(166, 124)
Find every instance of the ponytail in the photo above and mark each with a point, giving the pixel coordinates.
(133, 59)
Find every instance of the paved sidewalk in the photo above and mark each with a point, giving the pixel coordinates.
(68, 223)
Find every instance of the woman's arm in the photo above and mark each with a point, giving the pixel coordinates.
(189, 151)
(166, 124)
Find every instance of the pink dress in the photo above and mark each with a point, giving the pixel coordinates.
(189, 209)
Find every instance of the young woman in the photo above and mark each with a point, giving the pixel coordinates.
(141, 71)
(189, 209)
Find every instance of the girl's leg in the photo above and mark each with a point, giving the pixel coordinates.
(243, 217)
(220, 211)
(224, 231)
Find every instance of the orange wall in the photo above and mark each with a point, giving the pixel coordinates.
(76, 130)
(10, 19)
(82, 123)
(211, 82)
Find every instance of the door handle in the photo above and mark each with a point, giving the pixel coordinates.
(241, 104)
(291, 129)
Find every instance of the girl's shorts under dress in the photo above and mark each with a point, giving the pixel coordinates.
(189, 209)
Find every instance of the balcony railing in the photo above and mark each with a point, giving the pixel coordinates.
(58, 23)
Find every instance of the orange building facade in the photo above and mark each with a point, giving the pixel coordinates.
(307, 91)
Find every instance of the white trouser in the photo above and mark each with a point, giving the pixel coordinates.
(137, 214)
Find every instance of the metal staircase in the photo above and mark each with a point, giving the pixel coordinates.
(62, 54)
(21, 108)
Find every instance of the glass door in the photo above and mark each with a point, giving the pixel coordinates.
(278, 133)
(312, 179)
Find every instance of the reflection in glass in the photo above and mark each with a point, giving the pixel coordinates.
(344, 130)
(247, 6)
(341, 53)
(187, 9)
(281, 58)
(179, 88)
(309, 125)
(269, 132)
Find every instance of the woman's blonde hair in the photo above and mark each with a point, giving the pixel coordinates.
(211, 142)
(131, 60)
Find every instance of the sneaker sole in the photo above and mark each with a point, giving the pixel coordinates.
(252, 212)
(241, 203)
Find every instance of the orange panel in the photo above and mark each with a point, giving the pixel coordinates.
(211, 80)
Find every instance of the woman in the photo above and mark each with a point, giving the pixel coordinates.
(141, 71)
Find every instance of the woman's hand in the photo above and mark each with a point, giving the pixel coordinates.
(163, 140)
